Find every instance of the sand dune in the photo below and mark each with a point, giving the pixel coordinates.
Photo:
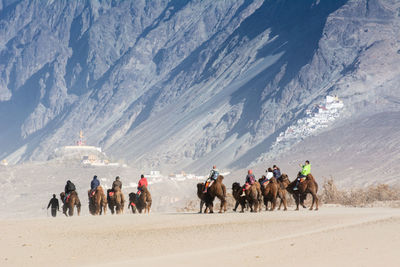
(333, 236)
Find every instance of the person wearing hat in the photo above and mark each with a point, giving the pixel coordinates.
(54, 205)
(211, 178)
(117, 183)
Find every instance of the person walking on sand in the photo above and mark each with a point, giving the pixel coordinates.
(54, 206)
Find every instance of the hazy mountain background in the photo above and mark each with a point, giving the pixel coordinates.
(182, 85)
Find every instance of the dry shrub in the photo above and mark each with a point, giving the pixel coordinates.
(359, 197)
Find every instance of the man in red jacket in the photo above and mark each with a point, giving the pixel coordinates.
(142, 182)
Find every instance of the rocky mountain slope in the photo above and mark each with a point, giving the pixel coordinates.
(174, 85)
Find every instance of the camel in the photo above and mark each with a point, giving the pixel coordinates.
(237, 195)
(115, 200)
(217, 189)
(73, 200)
(143, 202)
(132, 204)
(308, 186)
(283, 182)
(253, 196)
(202, 196)
(97, 201)
(270, 192)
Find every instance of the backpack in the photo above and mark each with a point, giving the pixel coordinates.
(71, 187)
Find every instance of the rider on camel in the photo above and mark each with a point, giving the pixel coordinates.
(93, 185)
(211, 178)
(250, 180)
(305, 170)
(69, 187)
(117, 183)
(142, 182)
(270, 174)
(276, 171)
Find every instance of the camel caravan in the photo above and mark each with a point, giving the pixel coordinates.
(268, 190)
(114, 198)
(252, 195)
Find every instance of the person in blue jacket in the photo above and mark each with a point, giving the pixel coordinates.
(94, 184)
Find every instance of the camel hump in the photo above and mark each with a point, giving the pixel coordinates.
(144, 188)
(310, 176)
(220, 178)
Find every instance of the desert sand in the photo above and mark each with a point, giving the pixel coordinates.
(332, 236)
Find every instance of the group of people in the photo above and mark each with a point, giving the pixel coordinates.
(70, 187)
(212, 177)
(270, 172)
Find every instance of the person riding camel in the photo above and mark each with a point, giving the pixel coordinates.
(305, 170)
(93, 185)
(69, 187)
(54, 205)
(142, 182)
(117, 183)
(250, 180)
(211, 178)
(276, 171)
(270, 174)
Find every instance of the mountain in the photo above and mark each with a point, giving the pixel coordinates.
(183, 85)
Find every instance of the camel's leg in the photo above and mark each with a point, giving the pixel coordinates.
(71, 211)
(256, 206)
(280, 199)
(236, 205)
(273, 204)
(314, 199)
(211, 207)
(222, 206)
(64, 208)
(283, 200)
(297, 200)
(302, 199)
(201, 206)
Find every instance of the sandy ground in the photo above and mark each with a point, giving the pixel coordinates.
(332, 236)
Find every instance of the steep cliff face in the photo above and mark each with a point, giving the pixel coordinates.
(185, 84)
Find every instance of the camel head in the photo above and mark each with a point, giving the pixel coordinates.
(200, 188)
(236, 186)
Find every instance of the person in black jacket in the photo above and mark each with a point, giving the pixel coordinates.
(69, 187)
(54, 205)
